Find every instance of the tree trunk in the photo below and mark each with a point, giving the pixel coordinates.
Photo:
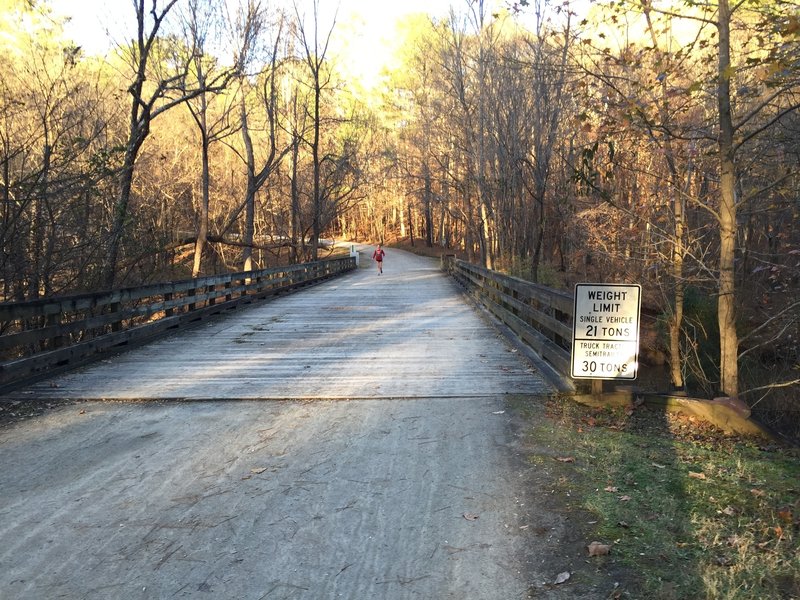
(428, 193)
(250, 194)
(676, 201)
(202, 230)
(728, 338)
(410, 225)
(315, 158)
(295, 193)
(120, 215)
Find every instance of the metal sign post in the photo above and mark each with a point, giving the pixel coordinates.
(605, 332)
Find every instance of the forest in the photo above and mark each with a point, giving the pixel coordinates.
(639, 141)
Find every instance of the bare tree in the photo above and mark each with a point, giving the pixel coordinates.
(315, 51)
(549, 77)
(51, 122)
(259, 171)
(168, 89)
(202, 19)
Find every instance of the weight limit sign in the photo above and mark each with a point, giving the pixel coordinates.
(605, 332)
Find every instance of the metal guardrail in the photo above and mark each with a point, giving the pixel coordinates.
(538, 315)
(50, 334)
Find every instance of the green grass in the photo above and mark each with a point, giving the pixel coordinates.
(689, 512)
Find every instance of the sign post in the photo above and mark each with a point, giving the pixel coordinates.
(605, 332)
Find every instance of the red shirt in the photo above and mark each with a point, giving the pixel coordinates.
(378, 255)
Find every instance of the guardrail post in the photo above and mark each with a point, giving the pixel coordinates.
(210, 289)
(55, 320)
(169, 311)
(116, 325)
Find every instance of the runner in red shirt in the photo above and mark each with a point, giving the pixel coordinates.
(377, 256)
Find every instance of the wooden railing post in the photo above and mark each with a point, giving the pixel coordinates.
(116, 325)
(210, 289)
(57, 341)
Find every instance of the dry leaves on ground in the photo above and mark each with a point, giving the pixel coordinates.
(598, 549)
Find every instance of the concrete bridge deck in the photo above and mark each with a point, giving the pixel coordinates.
(412, 491)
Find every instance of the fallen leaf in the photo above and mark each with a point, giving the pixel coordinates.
(657, 466)
(757, 492)
(785, 515)
(598, 549)
(562, 577)
(470, 517)
(498, 412)
(779, 531)
(566, 459)
(623, 524)
(258, 470)
(729, 510)
(611, 488)
(624, 498)
(695, 475)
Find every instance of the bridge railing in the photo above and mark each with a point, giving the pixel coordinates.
(540, 316)
(53, 333)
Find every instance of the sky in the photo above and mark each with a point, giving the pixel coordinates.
(363, 32)
(93, 20)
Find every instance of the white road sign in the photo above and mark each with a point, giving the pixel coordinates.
(605, 331)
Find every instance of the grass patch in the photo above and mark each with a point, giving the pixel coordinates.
(688, 511)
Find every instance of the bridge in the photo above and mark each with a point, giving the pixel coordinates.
(383, 463)
(405, 334)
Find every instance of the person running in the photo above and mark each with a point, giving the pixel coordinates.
(377, 256)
